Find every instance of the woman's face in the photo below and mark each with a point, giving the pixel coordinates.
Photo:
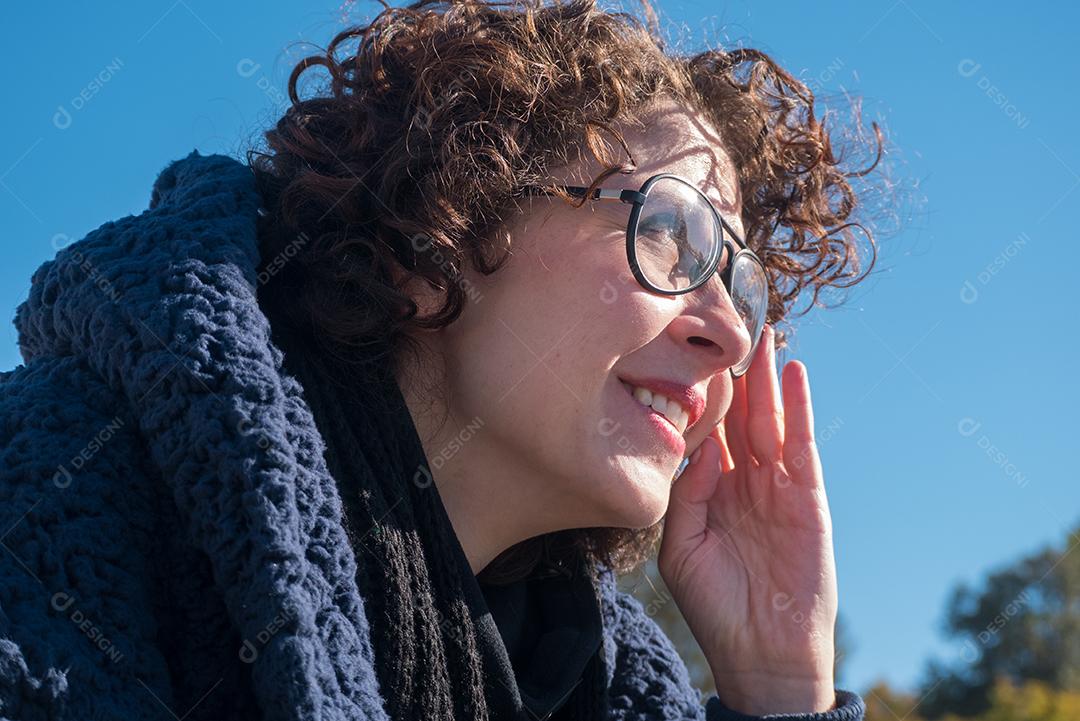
(541, 421)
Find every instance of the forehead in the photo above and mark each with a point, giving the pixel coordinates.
(675, 139)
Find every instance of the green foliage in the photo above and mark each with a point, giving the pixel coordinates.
(1023, 624)
(885, 704)
(1030, 701)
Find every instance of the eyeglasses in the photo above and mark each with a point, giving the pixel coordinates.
(675, 239)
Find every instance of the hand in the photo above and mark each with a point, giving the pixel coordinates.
(747, 547)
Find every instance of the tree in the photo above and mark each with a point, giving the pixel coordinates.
(885, 704)
(1022, 625)
(1031, 701)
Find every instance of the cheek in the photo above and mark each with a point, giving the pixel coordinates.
(564, 295)
(518, 353)
(532, 354)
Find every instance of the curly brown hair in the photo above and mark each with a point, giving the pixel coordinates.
(443, 111)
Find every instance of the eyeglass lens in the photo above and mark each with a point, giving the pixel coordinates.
(677, 237)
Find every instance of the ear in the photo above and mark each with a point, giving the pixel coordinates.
(427, 298)
(429, 295)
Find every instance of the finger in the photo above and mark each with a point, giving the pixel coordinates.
(735, 425)
(800, 449)
(687, 514)
(765, 413)
(727, 462)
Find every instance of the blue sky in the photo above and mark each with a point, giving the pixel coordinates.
(941, 412)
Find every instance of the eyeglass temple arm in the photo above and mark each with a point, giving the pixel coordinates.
(625, 196)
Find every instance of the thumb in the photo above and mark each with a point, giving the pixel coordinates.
(687, 507)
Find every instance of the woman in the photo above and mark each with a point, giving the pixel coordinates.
(367, 427)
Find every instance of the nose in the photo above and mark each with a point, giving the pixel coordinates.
(711, 327)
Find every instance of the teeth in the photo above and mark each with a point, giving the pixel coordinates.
(667, 407)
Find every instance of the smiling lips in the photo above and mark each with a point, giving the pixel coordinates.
(681, 405)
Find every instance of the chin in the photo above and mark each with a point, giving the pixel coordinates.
(641, 501)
